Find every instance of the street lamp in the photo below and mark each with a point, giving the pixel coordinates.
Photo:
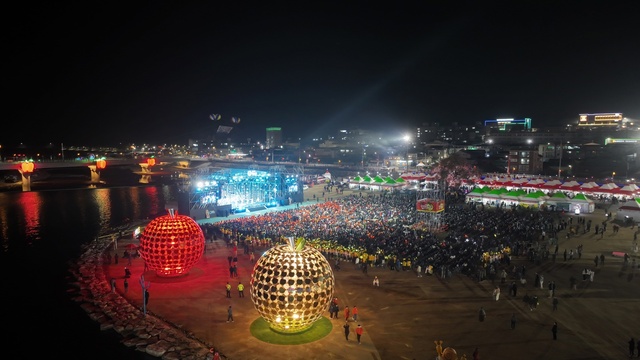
(406, 139)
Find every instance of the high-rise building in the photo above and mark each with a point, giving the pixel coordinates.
(274, 137)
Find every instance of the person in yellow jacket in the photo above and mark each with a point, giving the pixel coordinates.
(240, 290)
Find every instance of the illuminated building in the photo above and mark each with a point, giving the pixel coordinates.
(601, 119)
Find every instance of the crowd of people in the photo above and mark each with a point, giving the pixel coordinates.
(380, 230)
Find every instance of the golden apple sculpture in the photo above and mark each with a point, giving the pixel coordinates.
(291, 286)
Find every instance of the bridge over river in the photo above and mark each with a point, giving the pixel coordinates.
(46, 173)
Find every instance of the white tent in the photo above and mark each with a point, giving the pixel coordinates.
(533, 183)
(569, 184)
(582, 204)
(589, 185)
(630, 187)
(631, 209)
(608, 186)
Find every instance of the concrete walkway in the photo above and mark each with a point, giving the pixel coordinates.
(405, 315)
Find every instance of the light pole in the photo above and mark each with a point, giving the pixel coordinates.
(145, 285)
(560, 162)
(406, 158)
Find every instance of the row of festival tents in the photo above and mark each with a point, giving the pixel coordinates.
(376, 183)
(535, 183)
(572, 186)
(503, 196)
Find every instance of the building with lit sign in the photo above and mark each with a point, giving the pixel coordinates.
(608, 141)
(507, 125)
(601, 119)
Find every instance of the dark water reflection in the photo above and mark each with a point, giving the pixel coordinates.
(41, 234)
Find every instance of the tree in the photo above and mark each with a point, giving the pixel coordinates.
(454, 169)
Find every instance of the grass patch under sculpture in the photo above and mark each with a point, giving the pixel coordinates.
(260, 330)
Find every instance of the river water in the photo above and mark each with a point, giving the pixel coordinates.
(42, 233)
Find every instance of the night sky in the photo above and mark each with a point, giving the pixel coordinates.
(107, 73)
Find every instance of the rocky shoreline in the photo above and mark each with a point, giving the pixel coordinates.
(149, 334)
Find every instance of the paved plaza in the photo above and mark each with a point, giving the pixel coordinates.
(405, 315)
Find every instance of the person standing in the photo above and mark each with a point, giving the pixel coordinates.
(146, 297)
(113, 285)
(252, 257)
(476, 354)
(129, 258)
(240, 289)
(229, 314)
(126, 286)
(376, 281)
(555, 303)
(632, 345)
(482, 314)
(228, 287)
(496, 293)
(355, 313)
(333, 311)
(554, 330)
(513, 321)
(347, 313)
(346, 330)
(360, 330)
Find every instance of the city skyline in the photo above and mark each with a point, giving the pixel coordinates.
(158, 72)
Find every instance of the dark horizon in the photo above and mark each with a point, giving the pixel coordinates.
(157, 71)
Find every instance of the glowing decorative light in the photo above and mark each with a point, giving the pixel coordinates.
(172, 244)
(292, 286)
(101, 164)
(151, 161)
(27, 166)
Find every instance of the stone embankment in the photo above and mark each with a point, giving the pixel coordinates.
(146, 333)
